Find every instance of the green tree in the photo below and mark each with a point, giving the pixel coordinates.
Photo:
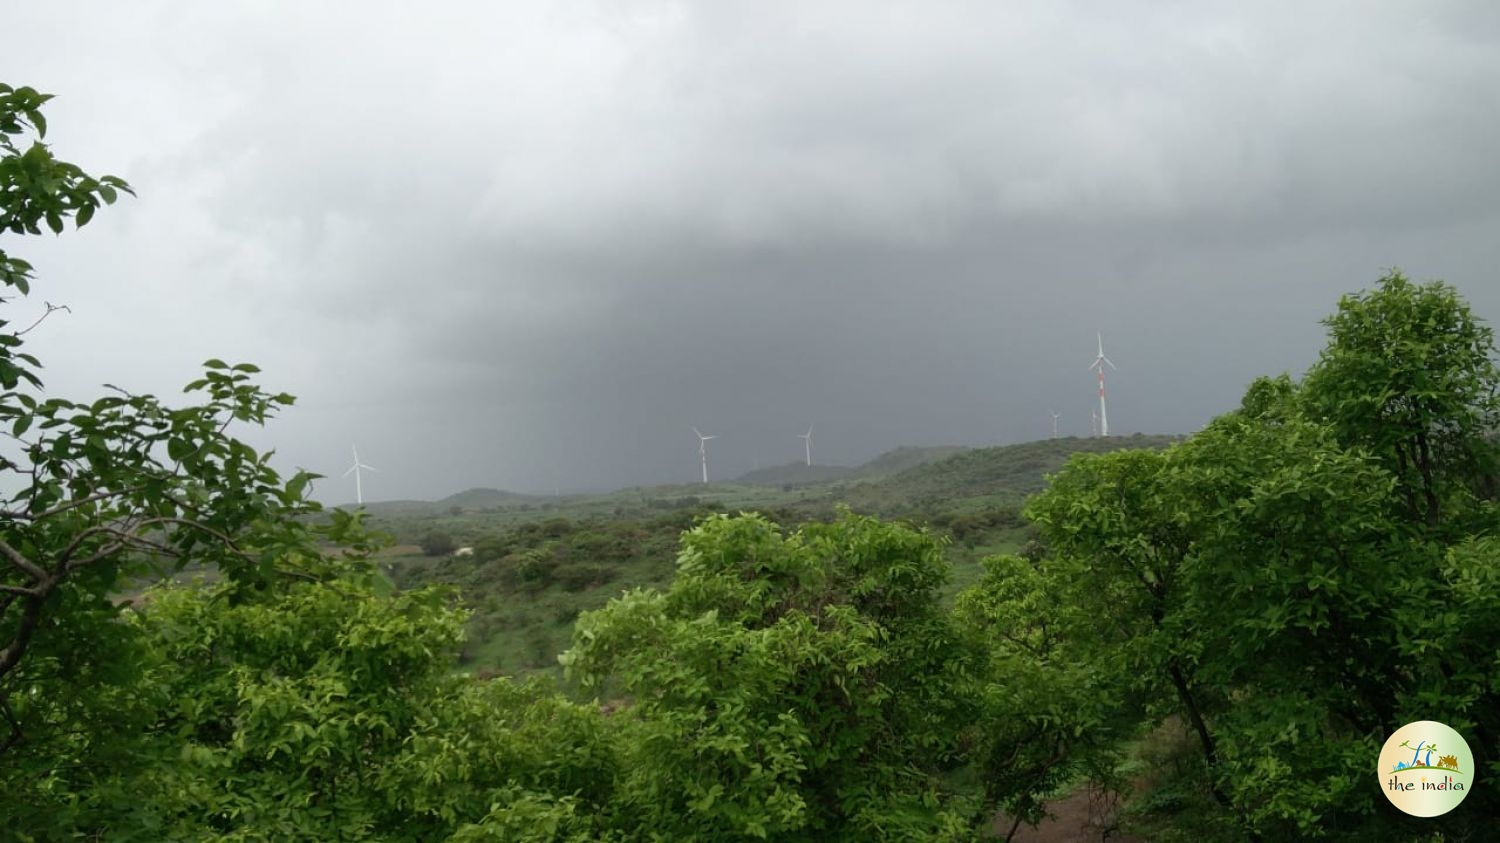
(792, 688)
(1057, 703)
(311, 711)
(109, 491)
(1119, 541)
(437, 543)
(1302, 576)
(1409, 374)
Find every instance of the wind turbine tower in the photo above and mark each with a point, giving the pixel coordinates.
(807, 440)
(1055, 416)
(359, 492)
(703, 450)
(1099, 363)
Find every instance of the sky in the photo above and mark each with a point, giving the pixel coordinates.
(531, 245)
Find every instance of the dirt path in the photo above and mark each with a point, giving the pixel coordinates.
(1084, 816)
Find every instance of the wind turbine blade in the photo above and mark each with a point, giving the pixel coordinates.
(351, 470)
(698, 432)
(1107, 360)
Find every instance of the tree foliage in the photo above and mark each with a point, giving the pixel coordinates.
(1409, 374)
(802, 687)
(1297, 580)
(106, 492)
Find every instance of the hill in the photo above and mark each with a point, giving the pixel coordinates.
(471, 499)
(482, 498)
(794, 474)
(891, 462)
(1007, 473)
(538, 562)
(902, 459)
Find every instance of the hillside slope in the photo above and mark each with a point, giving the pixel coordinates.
(535, 566)
(1004, 473)
(793, 474)
(903, 459)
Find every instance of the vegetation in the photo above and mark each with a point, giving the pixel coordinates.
(1299, 579)
(1225, 628)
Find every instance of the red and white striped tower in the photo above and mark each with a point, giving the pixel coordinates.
(1099, 363)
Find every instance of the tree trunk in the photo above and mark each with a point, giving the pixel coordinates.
(1206, 738)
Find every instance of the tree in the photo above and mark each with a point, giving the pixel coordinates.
(1301, 577)
(437, 543)
(1119, 543)
(1056, 702)
(127, 486)
(801, 687)
(315, 711)
(1409, 373)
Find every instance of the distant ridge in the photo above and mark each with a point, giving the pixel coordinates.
(469, 499)
(902, 459)
(1004, 472)
(895, 481)
(794, 474)
(890, 462)
(481, 498)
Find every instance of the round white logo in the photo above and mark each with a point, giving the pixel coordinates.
(1426, 768)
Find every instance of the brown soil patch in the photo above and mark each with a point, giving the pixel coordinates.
(1087, 815)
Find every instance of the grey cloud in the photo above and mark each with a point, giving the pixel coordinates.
(529, 246)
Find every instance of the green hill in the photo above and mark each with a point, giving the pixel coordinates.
(471, 499)
(902, 459)
(538, 561)
(794, 474)
(981, 475)
(891, 462)
(484, 499)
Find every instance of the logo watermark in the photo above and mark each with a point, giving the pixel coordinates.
(1426, 768)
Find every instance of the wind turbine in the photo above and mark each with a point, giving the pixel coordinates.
(807, 440)
(1055, 416)
(703, 450)
(359, 492)
(1099, 363)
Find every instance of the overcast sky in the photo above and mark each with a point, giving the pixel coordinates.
(530, 245)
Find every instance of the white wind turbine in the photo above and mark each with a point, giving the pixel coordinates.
(1055, 416)
(1099, 363)
(807, 440)
(359, 492)
(703, 450)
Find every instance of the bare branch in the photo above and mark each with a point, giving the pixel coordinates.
(130, 535)
(40, 319)
(63, 507)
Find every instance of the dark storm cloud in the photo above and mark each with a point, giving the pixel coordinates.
(528, 247)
